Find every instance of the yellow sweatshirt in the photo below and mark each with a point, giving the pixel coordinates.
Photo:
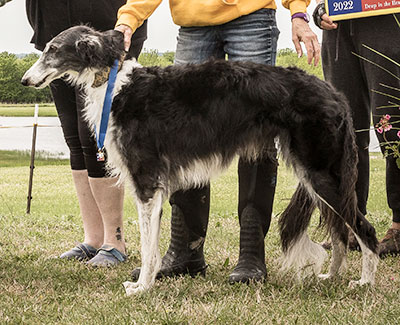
(200, 12)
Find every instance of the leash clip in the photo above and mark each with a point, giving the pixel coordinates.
(100, 155)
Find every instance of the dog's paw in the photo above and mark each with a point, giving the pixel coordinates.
(325, 276)
(132, 288)
(358, 283)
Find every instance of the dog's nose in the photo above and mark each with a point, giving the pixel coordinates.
(25, 82)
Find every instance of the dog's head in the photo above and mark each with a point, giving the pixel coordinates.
(72, 51)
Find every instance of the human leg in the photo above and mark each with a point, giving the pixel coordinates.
(109, 196)
(253, 38)
(343, 70)
(64, 98)
(386, 117)
(106, 193)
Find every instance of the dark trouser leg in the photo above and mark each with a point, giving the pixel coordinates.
(253, 38)
(77, 133)
(65, 100)
(189, 221)
(380, 82)
(257, 182)
(343, 70)
(359, 81)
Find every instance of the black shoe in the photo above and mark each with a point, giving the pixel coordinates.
(171, 267)
(251, 264)
(246, 272)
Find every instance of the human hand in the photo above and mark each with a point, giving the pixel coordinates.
(301, 32)
(321, 19)
(127, 31)
(327, 23)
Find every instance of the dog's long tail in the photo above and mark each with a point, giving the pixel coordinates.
(348, 210)
(333, 191)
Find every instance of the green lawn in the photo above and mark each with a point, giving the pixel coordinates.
(23, 158)
(22, 110)
(37, 288)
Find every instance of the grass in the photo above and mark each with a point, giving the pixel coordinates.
(10, 158)
(24, 110)
(37, 288)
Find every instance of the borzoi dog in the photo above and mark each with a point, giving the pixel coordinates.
(176, 127)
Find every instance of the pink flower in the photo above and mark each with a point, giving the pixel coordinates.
(383, 124)
(398, 134)
(387, 127)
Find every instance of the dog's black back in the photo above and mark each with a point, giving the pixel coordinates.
(184, 113)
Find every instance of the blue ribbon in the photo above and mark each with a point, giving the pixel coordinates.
(105, 115)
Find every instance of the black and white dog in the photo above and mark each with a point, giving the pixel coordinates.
(176, 127)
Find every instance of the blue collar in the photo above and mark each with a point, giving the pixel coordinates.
(106, 111)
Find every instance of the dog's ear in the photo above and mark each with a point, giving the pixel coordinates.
(115, 39)
(88, 47)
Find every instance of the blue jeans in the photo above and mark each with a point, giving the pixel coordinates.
(248, 38)
(252, 37)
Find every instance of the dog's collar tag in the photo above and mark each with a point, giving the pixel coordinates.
(101, 77)
(105, 115)
(100, 155)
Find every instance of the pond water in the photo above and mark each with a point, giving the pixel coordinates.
(16, 134)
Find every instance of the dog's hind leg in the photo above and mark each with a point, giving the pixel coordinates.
(299, 251)
(340, 213)
(149, 223)
(365, 235)
(338, 259)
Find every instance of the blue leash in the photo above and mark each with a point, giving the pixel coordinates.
(105, 115)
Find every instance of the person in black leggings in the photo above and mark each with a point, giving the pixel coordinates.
(369, 90)
(100, 198)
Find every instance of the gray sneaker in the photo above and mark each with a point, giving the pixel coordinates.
(80, 252)
(107, 256)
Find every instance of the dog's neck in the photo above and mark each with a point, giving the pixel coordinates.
(95, 95)
(101, 77)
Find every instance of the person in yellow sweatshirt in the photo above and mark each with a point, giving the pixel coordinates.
(242, 30)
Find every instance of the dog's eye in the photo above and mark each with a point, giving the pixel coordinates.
(52, 49)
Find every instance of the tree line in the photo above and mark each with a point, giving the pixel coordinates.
(13, 67)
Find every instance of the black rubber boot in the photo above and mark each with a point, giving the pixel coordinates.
(189, 221)
(257, 184)
(251, 264)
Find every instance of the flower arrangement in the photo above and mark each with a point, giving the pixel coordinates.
(391, 147)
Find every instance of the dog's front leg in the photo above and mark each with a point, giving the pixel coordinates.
(149, 223)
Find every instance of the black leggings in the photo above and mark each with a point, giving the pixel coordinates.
(78, 136)
(362, 84)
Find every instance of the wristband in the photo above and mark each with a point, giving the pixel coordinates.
(302, 15)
